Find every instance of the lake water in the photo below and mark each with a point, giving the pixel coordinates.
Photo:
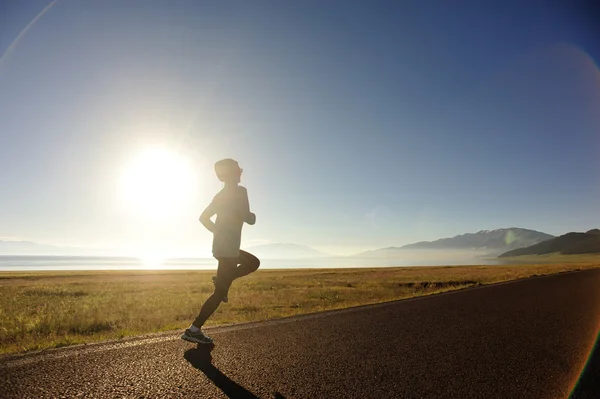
(31, 263)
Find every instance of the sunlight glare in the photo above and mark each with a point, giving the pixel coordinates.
(152, 260)
(158, 183)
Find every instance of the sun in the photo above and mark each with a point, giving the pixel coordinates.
(158, 182)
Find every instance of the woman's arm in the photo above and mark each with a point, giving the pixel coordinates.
(207, 214)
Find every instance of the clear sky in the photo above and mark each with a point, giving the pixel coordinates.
(359, 125)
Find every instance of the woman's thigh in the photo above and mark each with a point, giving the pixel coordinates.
(226, 271)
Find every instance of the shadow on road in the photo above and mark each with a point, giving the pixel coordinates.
(201, 359)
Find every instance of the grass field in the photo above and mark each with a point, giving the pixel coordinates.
(52, 309)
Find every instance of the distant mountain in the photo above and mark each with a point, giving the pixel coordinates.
(484, 242)
(29, 248)
(286, 251)
(567, 244)
(26, 248)
(506, 239)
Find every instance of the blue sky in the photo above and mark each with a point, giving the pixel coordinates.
(358, 125)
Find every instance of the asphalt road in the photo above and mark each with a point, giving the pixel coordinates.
(526, 339)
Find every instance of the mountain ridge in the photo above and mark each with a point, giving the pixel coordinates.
(497, 238)
(485, 242)
(567, 244)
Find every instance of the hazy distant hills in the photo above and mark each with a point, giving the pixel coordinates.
(567, 244)
(28, 248)
(485, 243)
(286, 251)
(488, 242)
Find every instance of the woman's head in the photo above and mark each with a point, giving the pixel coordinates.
(228, 170)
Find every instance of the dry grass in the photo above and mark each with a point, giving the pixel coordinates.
(51, 309)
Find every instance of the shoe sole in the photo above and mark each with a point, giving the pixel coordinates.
(194, 340)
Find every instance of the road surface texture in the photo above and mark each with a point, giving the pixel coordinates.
(525, 339)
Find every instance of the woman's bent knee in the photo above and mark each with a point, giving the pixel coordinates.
(255, 264)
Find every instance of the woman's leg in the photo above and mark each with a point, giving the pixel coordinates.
(248, 263)
(226, 272)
